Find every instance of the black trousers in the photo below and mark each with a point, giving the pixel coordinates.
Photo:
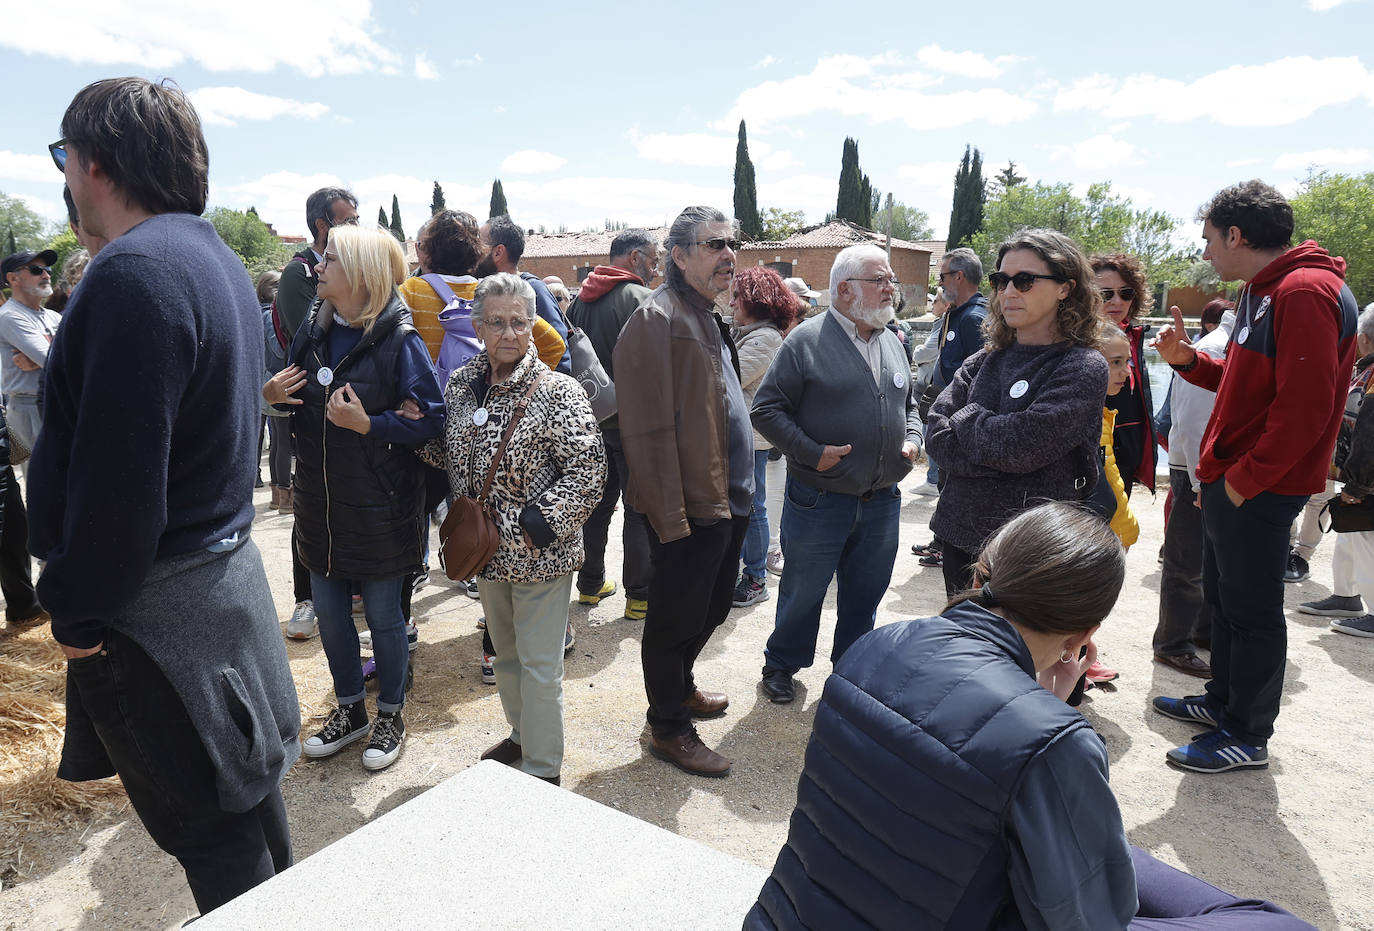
(16, 569)
(300, 576)
(689, 597)
(145, 730)
(1183, 613)
(958, 568)
(635, 533)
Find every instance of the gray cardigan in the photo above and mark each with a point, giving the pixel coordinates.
(819, 392)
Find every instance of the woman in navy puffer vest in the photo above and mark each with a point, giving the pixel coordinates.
(948, 785)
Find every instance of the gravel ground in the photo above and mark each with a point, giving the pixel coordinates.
(1295, 833)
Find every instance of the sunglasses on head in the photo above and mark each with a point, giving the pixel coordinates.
(719, 243)
(1127, 294)
(1021, 281)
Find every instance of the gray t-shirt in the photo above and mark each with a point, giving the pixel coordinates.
(29, 331)
(741, 439)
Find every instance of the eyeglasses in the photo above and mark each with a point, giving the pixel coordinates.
(39, 270)
(351, 221)
(517, 326)
(881, 282)
(719, 243)
(943, 276)
(1127, 294)
(1022, 281)
(58, 151)
(329, 257)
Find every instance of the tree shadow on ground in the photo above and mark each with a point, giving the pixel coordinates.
(1353, 654)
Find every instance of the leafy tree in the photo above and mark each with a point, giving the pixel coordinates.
(1337, 210)
(250, 239)
(852, 202)
(64, 244)
(1007, 178)
(909, 223)
(779, 224)
(396, 229)
(13, 247)
(436, 202)
(253, 211)
(966, 213)
(498, 200)
(24, 228)
(746, 194)
(382, 221)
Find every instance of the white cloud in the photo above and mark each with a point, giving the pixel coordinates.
(812, 194)
(424, 68)
(1243, 162)
(583, 201)
(1098, 153)
(18, 166)
(1272, 94)
(528, 161)
(1321, 6)
(963, 64)
(706, 150)
(225, 106)
(879, 88)
(247, 35)
(1321, 158)
(763, 62)
(54, 211)
(471, 62)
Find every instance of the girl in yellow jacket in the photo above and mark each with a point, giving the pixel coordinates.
(1115, 346)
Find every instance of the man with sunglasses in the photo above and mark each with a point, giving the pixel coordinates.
(325, 209)
(26, 331)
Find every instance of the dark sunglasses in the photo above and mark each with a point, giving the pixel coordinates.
(1127, 294)
(58, 151)
(1021, 281)
(39, 270)
(719, 243)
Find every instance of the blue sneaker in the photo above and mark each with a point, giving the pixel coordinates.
(1216, 752)
(1192, 709)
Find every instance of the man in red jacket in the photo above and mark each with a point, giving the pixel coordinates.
(1280, 395)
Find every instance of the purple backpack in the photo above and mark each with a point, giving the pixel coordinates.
(460, 342)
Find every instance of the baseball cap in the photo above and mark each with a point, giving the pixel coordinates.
(17, 261)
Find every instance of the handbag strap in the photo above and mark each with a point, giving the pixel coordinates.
(515, 416)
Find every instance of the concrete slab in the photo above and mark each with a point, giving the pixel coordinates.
(494, 848)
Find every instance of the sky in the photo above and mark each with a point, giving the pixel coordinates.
(629, 112)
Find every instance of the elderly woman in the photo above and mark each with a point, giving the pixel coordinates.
(544, 488)
(1021, 420)
(359, 490)
(1125, 299)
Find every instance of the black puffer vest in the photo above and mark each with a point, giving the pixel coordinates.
(359, 503)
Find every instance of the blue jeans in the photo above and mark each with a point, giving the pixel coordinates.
(334, 610)
(754, 553)
(831, 535)
(932, 471)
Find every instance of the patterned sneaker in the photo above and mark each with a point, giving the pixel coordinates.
(1355, 626)
(421, 581)
(935, 560)
(344, 725)
(749, 592)
(488, 671)
(636, 609)
(607, 590)
(1192, 709)
(774, 562)
(1216, 752)
(1334, 606)
(302, 625)
(471, 586)
(569, 639)
(388, 733)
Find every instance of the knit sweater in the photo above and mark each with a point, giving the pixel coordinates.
(1016, 427)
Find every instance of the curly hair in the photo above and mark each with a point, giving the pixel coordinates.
(1077, 317)
(763, 296)
(1262, 214)
(1133, 273)
(453, 243)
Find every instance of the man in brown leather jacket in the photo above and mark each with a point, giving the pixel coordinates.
(689, 445)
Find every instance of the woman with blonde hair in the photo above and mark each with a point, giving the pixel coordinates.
(359, 489)
(1020, 422)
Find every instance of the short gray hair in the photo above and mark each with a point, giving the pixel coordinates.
(502, 284)
(630, 240)
(1366, 323)
(965, 260)
(683, 234)
(850, 260)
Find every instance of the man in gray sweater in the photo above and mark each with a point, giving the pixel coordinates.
(837, 401)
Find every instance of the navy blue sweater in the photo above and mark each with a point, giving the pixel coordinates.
(151, 421)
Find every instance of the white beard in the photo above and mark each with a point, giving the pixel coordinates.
(876, 317)
(41, 292)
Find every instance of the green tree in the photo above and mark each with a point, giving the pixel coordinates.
(397, 229)
(12, 246)
(382, 221)
(1007, 178)
(852, 201)
(24, 229)
(498, 200)
(746, 194)
(64, 244)
(779, 224)
(970, 196)
(909, 223)
(1337, 210)
(436, 202)
(250, 239)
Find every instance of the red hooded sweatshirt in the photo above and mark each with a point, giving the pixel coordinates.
(1281, 388)
(604, 277)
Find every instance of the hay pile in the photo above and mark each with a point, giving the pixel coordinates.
(32, 721)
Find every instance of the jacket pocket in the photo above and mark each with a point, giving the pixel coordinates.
(243, 711)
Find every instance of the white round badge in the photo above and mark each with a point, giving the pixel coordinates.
(1019, 388)
(479, 416)
(1244, 334)
(949, 336)
(898, 380)
(325, 376)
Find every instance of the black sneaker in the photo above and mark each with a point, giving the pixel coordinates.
(344, 725)
(388, 733)
(749, 592)
(470, 586)
(1296, 569)
(1334, 606)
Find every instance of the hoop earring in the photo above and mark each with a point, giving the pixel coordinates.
(1062, 305)
(1066, 657)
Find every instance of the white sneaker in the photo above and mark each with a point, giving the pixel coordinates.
(774, 562)
(302, 625)
(927, 489)
(471, 587)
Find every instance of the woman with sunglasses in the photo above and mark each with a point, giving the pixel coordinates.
(358, 492)
(1021, 420)
(1125, 299)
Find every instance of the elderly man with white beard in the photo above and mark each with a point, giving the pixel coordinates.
(837, 402)
(26, 331)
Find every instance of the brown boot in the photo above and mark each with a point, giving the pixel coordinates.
(276, 498)
(707, 704)
(287, 500)
(689, 754)
(507, 751)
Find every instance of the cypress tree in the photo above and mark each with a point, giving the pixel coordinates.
(849, 203)
(436, 203)
(396, 229)
(746, 194)
(498, 201)
(382, 221)
(13, 248)
(970, 196)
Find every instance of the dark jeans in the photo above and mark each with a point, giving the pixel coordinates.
(143, 725)
(1243, 559)
(300, 576)
(958, 568)
(279, 451)
(689, 597)
(16, 569)
(1183, 613)
(831, 536)
(382, 603)
(635, 532)
(1171, 900)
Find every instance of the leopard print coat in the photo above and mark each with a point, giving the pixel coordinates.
(555, 461)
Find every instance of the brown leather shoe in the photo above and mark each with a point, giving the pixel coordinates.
(707, 704)
(689, 754)
(507, 751)
(1190, 664)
